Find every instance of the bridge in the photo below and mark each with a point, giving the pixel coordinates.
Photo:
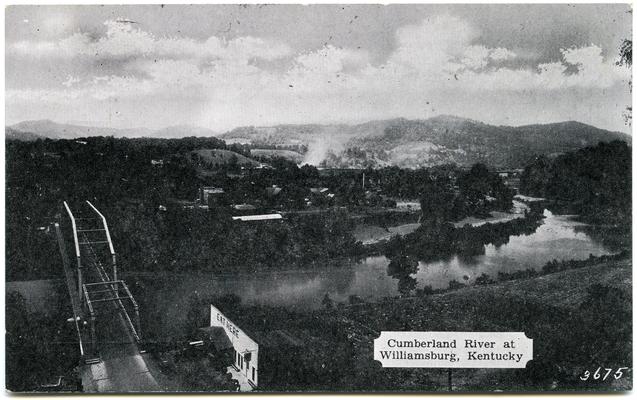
(105, 313)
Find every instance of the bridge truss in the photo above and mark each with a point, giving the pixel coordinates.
(106, 301)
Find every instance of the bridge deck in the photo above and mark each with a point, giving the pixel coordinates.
(122, 368)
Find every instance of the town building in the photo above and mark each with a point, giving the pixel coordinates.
(272, 191)
(264, 358)
(245, 209)
(207, 192)
(260, 217)
(245, 351)
(319, 190)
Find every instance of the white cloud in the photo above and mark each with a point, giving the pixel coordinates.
(70, 81)
(125, 41)
(437, 66)
(433, 43)
(330, 59)
(592, 72)
(501, 54)
(476, 57)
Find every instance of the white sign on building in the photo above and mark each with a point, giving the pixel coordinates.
(246, 350)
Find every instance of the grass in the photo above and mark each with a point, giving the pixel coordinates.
(579, 319)
(218, 157)
(289, 155)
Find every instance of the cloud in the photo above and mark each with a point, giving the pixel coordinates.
(330, 59)
(478, 56)
(436, 66)
(126, 41)
(592, 72)
(70, 81)
(501, 54)
(434, 43)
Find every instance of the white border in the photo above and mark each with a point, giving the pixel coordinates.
(3, 392)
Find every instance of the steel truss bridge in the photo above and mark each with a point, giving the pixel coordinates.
(106, 315)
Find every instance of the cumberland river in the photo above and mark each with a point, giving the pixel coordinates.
(557, 238)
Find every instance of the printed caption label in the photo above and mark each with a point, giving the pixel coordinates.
(453, 349)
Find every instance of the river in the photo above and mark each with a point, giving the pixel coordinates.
(303, 289)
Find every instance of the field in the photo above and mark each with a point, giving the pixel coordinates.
(289, 155)
(369, 234)
(219, 157)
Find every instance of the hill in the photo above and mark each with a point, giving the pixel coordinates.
(33, 130)
(401, 142)
(289, 155)
(414, 143)
(218, 157)
(53, 130)
(179, 131)
(12, 134)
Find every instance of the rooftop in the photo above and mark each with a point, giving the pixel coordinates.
(261, 217)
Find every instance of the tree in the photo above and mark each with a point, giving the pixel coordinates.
(327, 302)
(626, 58)
(436, 202)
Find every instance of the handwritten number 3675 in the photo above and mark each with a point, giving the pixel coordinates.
(598, 374)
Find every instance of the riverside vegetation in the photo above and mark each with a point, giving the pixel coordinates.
(118, 175)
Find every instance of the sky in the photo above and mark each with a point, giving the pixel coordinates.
(221, 67)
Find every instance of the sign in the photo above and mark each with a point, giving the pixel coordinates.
(230, 327)
(453, 349)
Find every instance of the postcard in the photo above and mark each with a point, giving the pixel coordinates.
(323, 198)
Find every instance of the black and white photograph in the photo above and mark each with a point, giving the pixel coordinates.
(318, 198)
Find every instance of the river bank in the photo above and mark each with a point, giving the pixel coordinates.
(563, 313)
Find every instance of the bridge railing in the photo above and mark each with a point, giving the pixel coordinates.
(77, 250)
(108, 238)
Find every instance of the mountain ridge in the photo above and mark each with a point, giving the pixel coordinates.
(46, 128)
(424, 142)
(410, 143)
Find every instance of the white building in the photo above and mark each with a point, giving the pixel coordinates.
(259, 217)
(245, 350)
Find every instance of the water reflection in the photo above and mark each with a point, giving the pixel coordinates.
(556, 238)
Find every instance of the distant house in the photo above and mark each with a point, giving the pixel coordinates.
(51, 154)
(321, 190)
(244, 207)
(157, 162)
(511, 178)
(273, 191)
(209, 191)
(259, 217)
(319, 196)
